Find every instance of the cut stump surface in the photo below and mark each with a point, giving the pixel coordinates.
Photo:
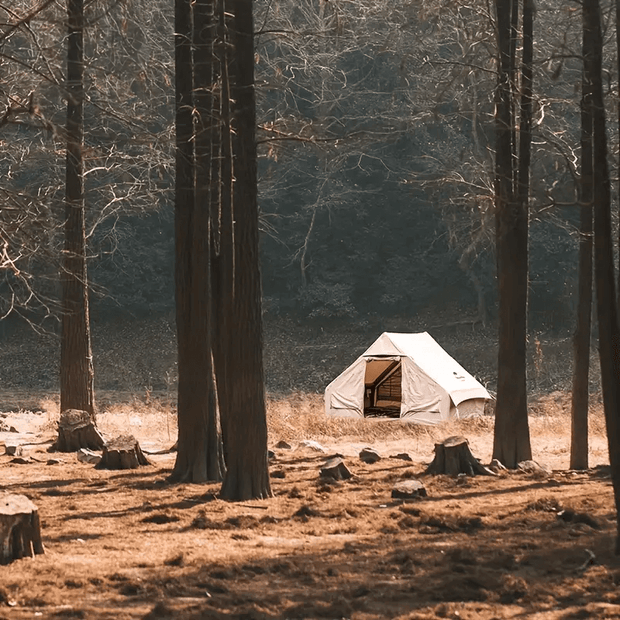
(336, 469)
(453, 457)
(122, 453)
(409, 489)
(20, 529)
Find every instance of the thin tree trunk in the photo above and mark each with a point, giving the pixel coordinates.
(607, 312)
(199, 456)
(247, 474)
(511, 442)
(581, 341)
(76, 361)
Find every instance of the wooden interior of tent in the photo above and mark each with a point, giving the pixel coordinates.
(382, 388)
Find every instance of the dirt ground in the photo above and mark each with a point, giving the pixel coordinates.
(130, 545)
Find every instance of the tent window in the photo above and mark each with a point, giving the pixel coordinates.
(383, 391)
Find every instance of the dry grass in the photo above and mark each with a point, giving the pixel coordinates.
(301, 416)
(146, 416)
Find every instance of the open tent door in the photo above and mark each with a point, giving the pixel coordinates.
(383, 387)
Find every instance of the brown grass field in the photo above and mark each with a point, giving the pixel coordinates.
(130, 545)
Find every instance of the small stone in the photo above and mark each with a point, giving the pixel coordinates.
(369, 455)
(409, 489)
(283, 445)
(22, 460)
(278, 473)
(534, 468)
(403, 456)
(5, 428)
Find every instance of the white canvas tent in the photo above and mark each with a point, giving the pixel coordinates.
(407, 376)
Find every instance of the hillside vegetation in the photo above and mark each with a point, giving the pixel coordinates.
(375, 135)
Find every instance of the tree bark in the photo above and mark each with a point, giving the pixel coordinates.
(245, 421)
(77, 429)
(618, 119)
(606, 301)
(223, 241)
(199, 455)
(20, 529)
(122, 452)
(511, 442)
(453, 457)
(76, 360)
(581, 341)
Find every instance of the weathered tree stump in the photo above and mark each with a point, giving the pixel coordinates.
(76, 429)
(336, 469)
(13, 449)
(453, 457)
(20, 530)
(122, 453)
(409, 489)
(369, 455)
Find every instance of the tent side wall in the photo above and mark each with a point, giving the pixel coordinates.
(470, 408)
(424, 400)
(344, 396)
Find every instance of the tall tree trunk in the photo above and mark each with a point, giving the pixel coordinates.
(199, 456)
(606, 303)
(618, 119)
(514, 80)
(76, 361)
(581, 341)
(511, 443)
(223, 242)
(247, 473)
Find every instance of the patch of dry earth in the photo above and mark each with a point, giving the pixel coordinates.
(130, 545)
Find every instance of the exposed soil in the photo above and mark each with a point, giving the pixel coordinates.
(129, 545)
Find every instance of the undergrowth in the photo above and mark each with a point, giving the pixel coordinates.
(301, 416)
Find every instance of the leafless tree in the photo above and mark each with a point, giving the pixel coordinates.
(199, 456)
(511, 441)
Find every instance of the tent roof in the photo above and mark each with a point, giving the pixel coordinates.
(428, 355)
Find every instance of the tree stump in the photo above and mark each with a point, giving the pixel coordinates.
(336, 469)
(453, 457)
(20, 530)
(122, 453)
(76, 429)
(409, 489)
(369, 455)
(13, 449)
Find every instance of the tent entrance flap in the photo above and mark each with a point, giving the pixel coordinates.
(383, 387)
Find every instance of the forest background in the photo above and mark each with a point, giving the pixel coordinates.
(376, 178)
